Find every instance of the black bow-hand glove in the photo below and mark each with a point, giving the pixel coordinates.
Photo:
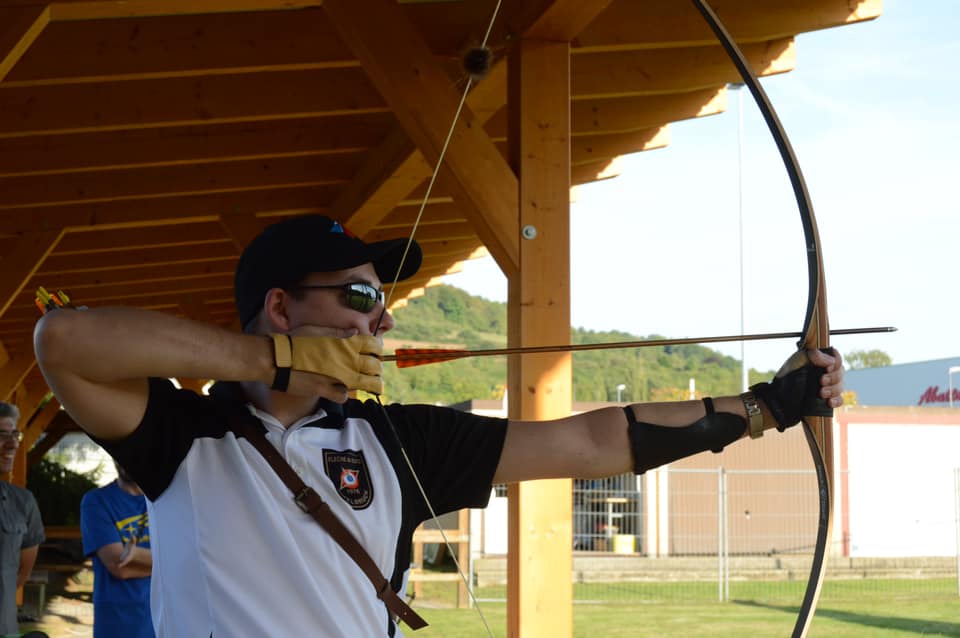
(794, 391)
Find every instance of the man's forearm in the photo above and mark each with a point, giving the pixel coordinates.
(107, 345)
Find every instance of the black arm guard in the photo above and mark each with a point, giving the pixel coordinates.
(654, 445)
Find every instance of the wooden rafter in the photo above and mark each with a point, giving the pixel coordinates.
(421, 96)
(19, 28)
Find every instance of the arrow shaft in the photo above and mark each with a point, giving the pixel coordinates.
(411, 357)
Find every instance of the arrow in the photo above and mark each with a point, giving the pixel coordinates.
(410, 357)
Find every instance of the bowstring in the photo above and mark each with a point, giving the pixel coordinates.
(386, 303)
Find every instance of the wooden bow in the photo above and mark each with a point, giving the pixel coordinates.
(816, 332)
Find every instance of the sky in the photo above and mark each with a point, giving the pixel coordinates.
(871, 111)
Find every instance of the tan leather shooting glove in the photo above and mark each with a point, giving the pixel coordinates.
(354, 362)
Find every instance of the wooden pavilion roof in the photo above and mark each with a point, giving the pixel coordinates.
(144, 142)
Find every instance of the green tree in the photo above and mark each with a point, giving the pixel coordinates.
(58, 490)
(860, 359)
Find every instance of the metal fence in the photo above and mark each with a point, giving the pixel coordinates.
(718, 535)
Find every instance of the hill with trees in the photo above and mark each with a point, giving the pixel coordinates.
(449, 317)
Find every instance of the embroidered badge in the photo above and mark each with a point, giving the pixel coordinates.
(348, 472)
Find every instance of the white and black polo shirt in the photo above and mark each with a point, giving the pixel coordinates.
(233, 556)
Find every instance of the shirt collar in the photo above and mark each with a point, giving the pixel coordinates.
(326, 413)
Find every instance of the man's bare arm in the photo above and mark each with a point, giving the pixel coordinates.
(28, 557)
(97, 361)
(596, 444)
(592, 444)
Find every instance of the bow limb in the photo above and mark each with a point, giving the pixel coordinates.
(816, 331)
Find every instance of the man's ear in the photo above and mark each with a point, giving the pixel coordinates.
(275, 310)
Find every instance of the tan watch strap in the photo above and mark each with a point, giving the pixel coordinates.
(754, 415)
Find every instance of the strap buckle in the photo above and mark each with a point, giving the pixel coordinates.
(301, 497)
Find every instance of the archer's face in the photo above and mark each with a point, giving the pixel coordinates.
(328, 307)
(8, 446)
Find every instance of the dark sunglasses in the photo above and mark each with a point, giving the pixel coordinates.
(360, 296)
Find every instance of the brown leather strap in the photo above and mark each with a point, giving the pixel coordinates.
(310, 502)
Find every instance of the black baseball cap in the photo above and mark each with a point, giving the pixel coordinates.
(286, 252)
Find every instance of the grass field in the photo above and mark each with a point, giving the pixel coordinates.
(848, 609)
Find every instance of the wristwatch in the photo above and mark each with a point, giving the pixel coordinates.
(754, 415)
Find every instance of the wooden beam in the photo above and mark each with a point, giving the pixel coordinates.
(99, 295)
(18, 266)
(390, 173)
(431, 233)
(621, 73)
(181, 46)
(14, 372)
(241, 229)
(171, 181)
(631, 113)
(540, 560)
(595, 171)
(281, 200)
(101, 9)
(587, 149)
(19, 29)
(57, 266)
(563, 20)
(38, 425)
(135, 276)
(628, 25)
(98, 240)
(51, 154)
(138, 104)
(421, 96)
(4, 355)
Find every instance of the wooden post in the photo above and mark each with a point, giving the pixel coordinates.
(540, 556)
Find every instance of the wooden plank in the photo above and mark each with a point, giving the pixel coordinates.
(420, 94)
(14, 372)
(100, 295)
(593, 148)
(390, 173)
(281, 200)
(595, 171)
(18, 266)
(562, 21)
(100, 9)
(4, 355)
(138, 104)
(98, 240)
(135, 275)
(182, 45)
(622, 73)
(40, 423)
(627, 24)
(49, 154)
(56, 266)
(169, 181)
(19, 29)
(631, 113)
(242, 229)
(540, 561)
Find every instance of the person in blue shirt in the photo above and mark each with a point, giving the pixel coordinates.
(116, 533)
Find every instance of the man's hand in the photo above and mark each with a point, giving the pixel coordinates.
(329, 362)
(810, 383)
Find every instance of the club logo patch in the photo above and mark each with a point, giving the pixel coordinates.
(348, 472)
